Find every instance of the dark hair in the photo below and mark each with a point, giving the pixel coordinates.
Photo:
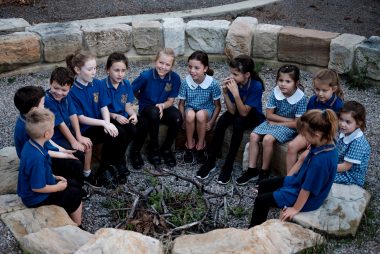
(116, 57)
(203, 58)
(28, 97)
(331, 78)
(63, 76)
(78, 60)
(244, 64)
(323, 121)
(293, 71)
(357, 111)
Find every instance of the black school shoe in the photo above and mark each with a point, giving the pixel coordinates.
(108, 177)
(92, 181)
(205, 170)
(201, 156)
(263, 174)
(169, 158)
(136, 160)
(248, 176)
(122, 172)
(154, 158)
(188, 156)
(225, 175)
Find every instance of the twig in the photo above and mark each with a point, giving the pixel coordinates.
(133, 210)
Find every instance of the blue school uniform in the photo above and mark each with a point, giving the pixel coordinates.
(316, 175)
(150, 89)
(200, 96)
(119, 96)
(291, 107)
(335, 103)
(355, 149)
(88, 100)
(62, 110)
(34, 173)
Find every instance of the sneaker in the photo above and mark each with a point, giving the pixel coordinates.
(154, 158)
(225, 175)
(92, 181)
(122, 172)
(136, 160)
(264, 174)
(188, 156)
(201, 156)
(205, 170)
(169, 158)
(248, 176)
(109, 177)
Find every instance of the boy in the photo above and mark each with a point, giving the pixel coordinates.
(37, 185)
(66, 130)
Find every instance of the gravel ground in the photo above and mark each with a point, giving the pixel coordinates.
(97, 216)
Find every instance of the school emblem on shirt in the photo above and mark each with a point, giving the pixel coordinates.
(123, 99)
(96, 97)
(168, 87)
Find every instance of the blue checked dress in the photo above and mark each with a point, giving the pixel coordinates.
(289, 107)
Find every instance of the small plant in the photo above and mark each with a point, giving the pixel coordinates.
(11, 80)
(238, 211)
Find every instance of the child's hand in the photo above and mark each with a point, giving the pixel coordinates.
(303, 155)
(232, 87)
(85, 141)
(288, 213)
(160, 106)
(111, 129)
(60, 178)
(69, 154)
(133, 119)
(209, 125)
(61, 185)
(121, 119)
(78, 146)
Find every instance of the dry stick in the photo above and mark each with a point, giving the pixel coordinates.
(133, 210)
(217, 212)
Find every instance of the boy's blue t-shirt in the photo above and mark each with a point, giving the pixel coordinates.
(34, 173)
(118, 97)
(88, 100)
(150, 89)
(316, 175)
(334, 103)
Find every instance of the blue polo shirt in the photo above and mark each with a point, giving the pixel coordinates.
(150, 89)
(62, 110)
(120, 96)
(316, 175)
(34, 173)
(334, 103)
(88, 100)
(20, 137)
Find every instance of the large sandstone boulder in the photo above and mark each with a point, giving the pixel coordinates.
(239, 37)
(60, 240)
(103, 39)
(18, 49)
(110, 240)
(208, 36)
(9, 163)
(265, 40)
(147, 37)
(367, 58)
(13, 25)
(58, 39)
(10, 203)
(273, 236)
(340, 214)
(174, 34)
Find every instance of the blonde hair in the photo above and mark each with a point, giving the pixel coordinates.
(38, 121)
(330, 77)
(165, 51)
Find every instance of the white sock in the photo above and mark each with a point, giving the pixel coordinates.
(87, 172)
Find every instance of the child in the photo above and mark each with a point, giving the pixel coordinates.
(121, 96)
(156, 90)
(37, 185)
(354, 149)
(328, 95)
(66, 131)
(242, 92)
(91, 101)
(286, 103)
(308, 183)
(199, 104)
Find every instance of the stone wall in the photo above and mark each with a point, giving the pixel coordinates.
(26, 46)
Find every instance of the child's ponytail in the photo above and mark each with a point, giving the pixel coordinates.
(78, 60)
(203, 58)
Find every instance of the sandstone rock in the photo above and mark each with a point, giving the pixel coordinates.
(208, 36)
(9, 163)
(265, 40)
(13, 25)
(340, 214)
(58, 39)
(18, 49)
(105, 39)
(239, 37)
(147, 37)
(110, 240)
(60, 240)
(32, 220)
(10, 203)
(367, 57)
(174, 34)
(342, 52)
(305, 46)
(273, 236)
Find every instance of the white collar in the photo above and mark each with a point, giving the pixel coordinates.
(354, 135)
(204, 85)
(296, 97)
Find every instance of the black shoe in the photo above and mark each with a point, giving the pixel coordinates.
(122, 172)
(169, 158)
(201, 156)
(136, 160)
(248, 176)
(225, 175)
(264, 174)
(188, 156)
(92, 181)
(205, 170)
(154, 158)
(109, 177)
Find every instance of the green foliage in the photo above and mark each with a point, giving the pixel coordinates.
(11, 80)
(360, 80)
(238, 211)
(116, 204)
(155, 200)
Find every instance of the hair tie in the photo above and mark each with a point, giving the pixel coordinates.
(324, 112)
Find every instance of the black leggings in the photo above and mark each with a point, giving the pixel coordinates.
(128, 132)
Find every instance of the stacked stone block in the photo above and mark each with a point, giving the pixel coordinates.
(147, 37)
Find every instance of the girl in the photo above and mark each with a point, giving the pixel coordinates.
(202, 96)
(242, 92)
(120, 93)
(354, 149)
(328, 94)
(156, 90)
(308, 183)
(90, 99)
(286, 103)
